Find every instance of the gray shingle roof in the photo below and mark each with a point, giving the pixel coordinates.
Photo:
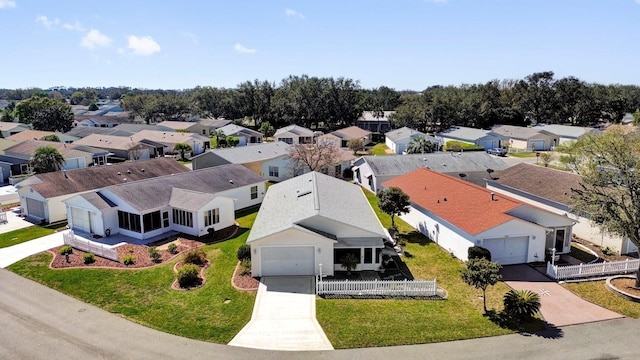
(565, 130)
(298, 200)
(468, 134)
(188, 199)
(156, 192)
(518, 132)
(233, 129)
(83, 131)
(403, 133)
(294, 129)
(445, 162)
(247, 154)
(134, 128)
(98, 200)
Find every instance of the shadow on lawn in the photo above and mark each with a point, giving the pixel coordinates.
(533, 327)
(415, 237)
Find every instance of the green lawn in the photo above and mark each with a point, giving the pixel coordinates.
(364, 323)
(379, 149)
(522, 154)
(216, 312)
(597, 293)
(21, 235)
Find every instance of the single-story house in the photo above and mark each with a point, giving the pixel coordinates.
(39, 134)
(398, 140)
(214, 124)
(565, 133)
(271, 160)
(134, 128)
(99, 121)
(244, 135)
(42, 195)
(10, 128)
(371, 171)
(522, 138)
(192, 127)
(480, 137)
(199, 143)
(307, 224)
(123, 147)
(350, 133)
(457, 215)
(294, 134)
(84, 131)
(550, 189)
(75, 156)
(190, 202)
(370, 122)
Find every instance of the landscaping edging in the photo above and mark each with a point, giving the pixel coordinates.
(176, 286)
(233, 278)
(622, 294)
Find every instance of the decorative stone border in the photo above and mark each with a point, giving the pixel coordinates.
(233, 277)
(176, 286)
(622, 294)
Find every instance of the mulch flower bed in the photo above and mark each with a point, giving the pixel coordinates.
(627, 285)
(140, 252)
(598, 251)
(244, 282)
(201, 278)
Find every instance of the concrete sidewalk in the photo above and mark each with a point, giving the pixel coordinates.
(284, 317)
(12, 254)
(14, 221)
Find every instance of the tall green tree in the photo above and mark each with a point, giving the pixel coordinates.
(182, 148)
(46, 159)
(45, 114)
(480, 273)
(393, 201)
(267, 129)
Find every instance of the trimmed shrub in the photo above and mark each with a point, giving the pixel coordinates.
(478, 252)
(66, 250)
(244, 252)
(89, 258)
(521, 305)
(129, 259)
(196, 257)
(172, 248)
(154, 254)
(188, 275)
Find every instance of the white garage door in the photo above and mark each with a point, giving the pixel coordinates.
(287, 260)
(538, 144)
(507, 251)
(80, 219)
(35, 208)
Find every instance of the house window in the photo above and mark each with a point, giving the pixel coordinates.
(99, 160)
(129, 221)
(286, 140)
(254, 192)
(274, 171)
(339, 254)
(368, 255)
(181, 217)
(151, 221)
(165, 219)
(211, 217)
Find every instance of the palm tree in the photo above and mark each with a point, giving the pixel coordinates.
(349, 262)
(46, 159)
(182, 147)
(420, 145)
(521, 304)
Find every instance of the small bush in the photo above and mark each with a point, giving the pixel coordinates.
(478, 252)
(245, 267)
(521, 305)
(609, 251)
(188, 275)
(196, 257)
(244, 252)
(129, 259)
(172, 248)
(66, 250)
(155, 254)
(89, 258)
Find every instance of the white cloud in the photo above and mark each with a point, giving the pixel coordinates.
(293, 13)
(46, 22)
(75, 26)
(5, 4)
(94, 39)
(143, 45)
(242, 49)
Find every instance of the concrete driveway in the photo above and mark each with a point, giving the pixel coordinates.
(284, 317)
(15, 253)
(560, 306)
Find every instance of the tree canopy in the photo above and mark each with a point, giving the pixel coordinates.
(480, 273)
(393, 201)
(314, 157)
(45, 114)
(46, 159)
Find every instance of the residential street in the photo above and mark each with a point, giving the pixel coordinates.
(40, 323)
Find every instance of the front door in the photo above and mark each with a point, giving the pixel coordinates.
(560, 233)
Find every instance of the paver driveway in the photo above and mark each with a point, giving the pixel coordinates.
(284, 317)
(560, 306)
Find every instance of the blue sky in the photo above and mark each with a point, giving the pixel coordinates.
(404, 44)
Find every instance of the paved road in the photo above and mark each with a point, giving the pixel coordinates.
(40, 323)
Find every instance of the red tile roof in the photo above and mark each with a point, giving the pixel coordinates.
(459, 202)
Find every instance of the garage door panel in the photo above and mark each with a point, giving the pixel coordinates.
(80, 219)
(287, 260)
(506, 251)
(35, 208)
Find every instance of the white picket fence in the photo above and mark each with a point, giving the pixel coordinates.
(592, 270)
(69, 238)
(3, 218)
(377, 287)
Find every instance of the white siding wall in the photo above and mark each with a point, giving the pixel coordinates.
(242, 195)
(517, 228)
(285, 168)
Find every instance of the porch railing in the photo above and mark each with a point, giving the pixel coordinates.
(377, 287)
(592, 270)
(69, 238)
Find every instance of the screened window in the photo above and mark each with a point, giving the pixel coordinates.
(274, 171)
(339, 254)
(151, 221)
(211, 217)
(368, 255)
(181, 217)
(254, 192)
(129, 221)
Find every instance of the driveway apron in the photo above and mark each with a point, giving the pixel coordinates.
(15, 253)
(559, 306)
(284, 317)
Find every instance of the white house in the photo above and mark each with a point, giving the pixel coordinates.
(550, 189)
(398, 140)
(310, 220)
(294, 134)
(42, 195)
(371, 171)
(457, 215)
(522, 138)
(245, 136)
(565, 133)
(480, 137)
(192, 203)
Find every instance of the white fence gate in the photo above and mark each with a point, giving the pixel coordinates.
(592, 270)
(69, 238)
(377, 287)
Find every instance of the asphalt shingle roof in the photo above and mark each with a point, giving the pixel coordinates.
(447, 162)
(247, 154)
(403, 133)
(351, 132)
